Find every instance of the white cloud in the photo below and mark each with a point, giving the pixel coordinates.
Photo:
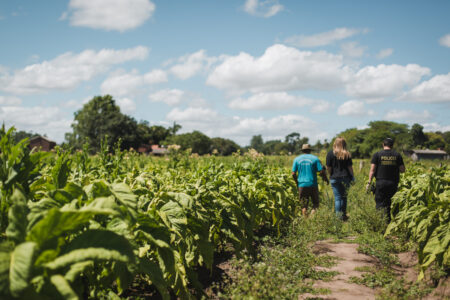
(427, 127)
(67, 70)
(193, 115)
(120, 15)
(445, 40)
(278, 100)
(375, 82)
(263, 8)
(435, 90)
(354, 108)
(385, 53)
(324, 38)
(353, 49)
(42, 120)
(127, 105)
(321, 106)
(10, 101)
(408, 115)
(170, 97)
(191, 64)
(155, 76)
(280, 68)
(122, 84)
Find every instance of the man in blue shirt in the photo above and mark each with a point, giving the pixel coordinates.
(304, 172)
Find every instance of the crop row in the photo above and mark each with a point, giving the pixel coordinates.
(421, 207)
(75, 226)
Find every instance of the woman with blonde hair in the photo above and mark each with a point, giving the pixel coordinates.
(339, 166)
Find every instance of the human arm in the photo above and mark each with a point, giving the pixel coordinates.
(371, 174)
(330, 170)
(323, 174)
(350, 170)
(294, 176)
(328, 162)
(401, 168)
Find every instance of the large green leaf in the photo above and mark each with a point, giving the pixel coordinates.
(61, 171)
(74, 190)
(57, 222)
(156, 276)
(6, 249)
(17, 226)
(124, 194)
(21, 267)
(81, 255)
(173, 215)
(98, 188)
(101, 239)
(63, 287)
(38, 210)
(77, 269)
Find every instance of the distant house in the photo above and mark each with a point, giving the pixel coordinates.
(144, 149)
(427, 154)
(41, 143)
(157, 150)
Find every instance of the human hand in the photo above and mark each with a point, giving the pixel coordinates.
(367, 187)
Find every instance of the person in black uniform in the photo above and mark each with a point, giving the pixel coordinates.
(386, 166)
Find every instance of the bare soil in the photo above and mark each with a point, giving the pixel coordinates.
(349, 259)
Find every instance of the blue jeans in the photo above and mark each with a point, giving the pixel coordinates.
(340, 187)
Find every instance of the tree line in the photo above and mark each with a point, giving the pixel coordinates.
(101, 117)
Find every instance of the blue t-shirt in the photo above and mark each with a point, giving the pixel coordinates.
(307, 166)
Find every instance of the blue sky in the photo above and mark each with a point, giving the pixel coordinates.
(229, 68)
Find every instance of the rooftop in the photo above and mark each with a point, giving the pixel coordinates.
(426, 151)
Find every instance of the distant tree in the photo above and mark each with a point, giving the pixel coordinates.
(197, 141)
(20, 135)
(257, 143)
(318, 146)
(378, 131)
(175, 128)
(271, 147)
(417, 135)
(293, 142)
(100, 117)
(159, 134)
(446, 137)
(364, 142)
(224, 146)
(434, 141)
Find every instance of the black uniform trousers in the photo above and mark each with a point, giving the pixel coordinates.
(384, 191)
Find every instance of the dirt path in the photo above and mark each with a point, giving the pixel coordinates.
(349, 259)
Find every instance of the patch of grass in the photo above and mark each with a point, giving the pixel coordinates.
(374, 244)
(374, 278)
(392, 287)
(284, 267)
(399, 289)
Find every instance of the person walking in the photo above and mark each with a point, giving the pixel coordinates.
(304, 171)
(339, 165)
(386, 166)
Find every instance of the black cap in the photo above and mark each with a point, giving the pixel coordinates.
(388, 142)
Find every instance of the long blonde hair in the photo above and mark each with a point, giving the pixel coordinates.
(340, 149)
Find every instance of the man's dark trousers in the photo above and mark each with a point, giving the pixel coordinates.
(385, 190)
